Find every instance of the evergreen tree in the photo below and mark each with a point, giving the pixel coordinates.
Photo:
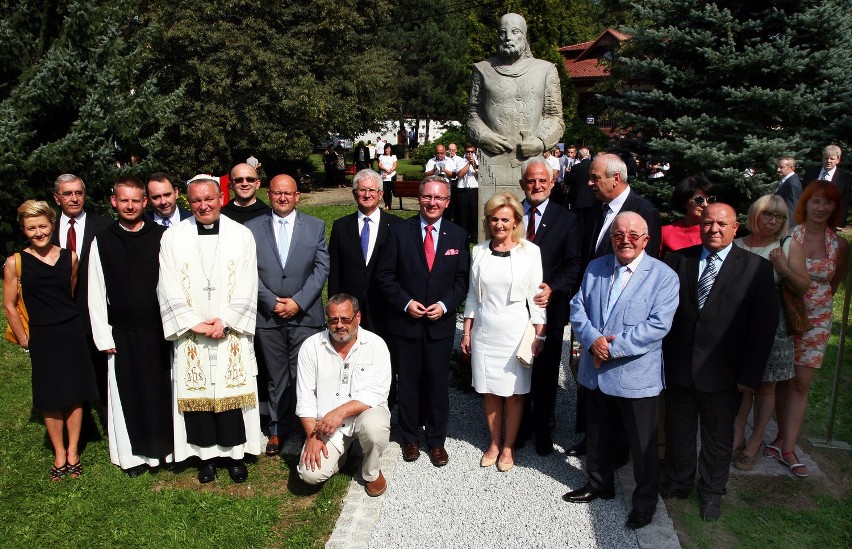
(722, 87)
(73, 99)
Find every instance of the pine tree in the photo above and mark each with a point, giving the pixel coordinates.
(721, 87)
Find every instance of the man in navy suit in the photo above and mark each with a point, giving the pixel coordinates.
(292, 264)
(620, 315)
(717, 349)
(355, 246)
(790, 187)
(423, 273)
(163, 196)
(556, 231)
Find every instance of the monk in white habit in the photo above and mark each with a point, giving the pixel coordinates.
(208, 301)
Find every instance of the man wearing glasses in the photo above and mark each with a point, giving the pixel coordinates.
(623, 310)
(292, 264)
(423, 273)
(343, 382)
(245, 183)
(356, 244)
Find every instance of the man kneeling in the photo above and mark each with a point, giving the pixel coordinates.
(342, 389)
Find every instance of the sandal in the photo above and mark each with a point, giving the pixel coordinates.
(745, 462)
(56, 473)
(773, 452)
(74, 471)
(798, 469)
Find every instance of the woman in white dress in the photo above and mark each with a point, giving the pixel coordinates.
(387, 167)
(504, 278)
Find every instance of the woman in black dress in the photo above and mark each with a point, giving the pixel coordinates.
(62, 373)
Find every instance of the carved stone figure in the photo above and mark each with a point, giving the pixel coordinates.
(515, 109)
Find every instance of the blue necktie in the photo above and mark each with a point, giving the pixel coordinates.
(705, 282)
(615, 291)
(166, 223)
(365, 238)
(283, 242)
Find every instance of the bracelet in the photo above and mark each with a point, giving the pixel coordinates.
(540, 338)
(465, 335)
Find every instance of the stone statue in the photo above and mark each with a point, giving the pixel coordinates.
(515, 109)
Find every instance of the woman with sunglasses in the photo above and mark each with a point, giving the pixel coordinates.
(767, 221)
(826, 256)
(691, 195)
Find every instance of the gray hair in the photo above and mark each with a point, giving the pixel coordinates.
(613, 164)
(66, 178)
(435, 179)
(832, 150)
(341, 298)
(367, 174)
(788, 161)
(532, 161)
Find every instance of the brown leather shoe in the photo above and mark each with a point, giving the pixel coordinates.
(273, 446)
(411, 451)
(438, 456)
(376, 487)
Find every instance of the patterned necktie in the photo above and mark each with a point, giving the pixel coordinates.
(365, 237)
(705, 282)
(531, 224)
(166, 223)
(429, 247)
(283, 242)
(71, 240)
(617, 288)
(824, 175)
(599, 229)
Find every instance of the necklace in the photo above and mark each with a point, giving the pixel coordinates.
(210, 288)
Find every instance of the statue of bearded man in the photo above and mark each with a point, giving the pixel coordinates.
(515, 109)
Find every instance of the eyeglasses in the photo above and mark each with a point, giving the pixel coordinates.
(429, 198)
(340, 319)
(69, 194)
(701, 201)
(278, 194)
(238, 180)
(770, 216)
(367, 191)
(632, 237)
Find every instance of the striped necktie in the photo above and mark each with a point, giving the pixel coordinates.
(705, 282)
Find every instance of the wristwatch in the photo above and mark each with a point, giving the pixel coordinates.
(540, 338)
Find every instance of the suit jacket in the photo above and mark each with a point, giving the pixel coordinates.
(349, 272)
(94, 224)
(559, 237)
(302, 279)
(633, 203)
(639, 320)
(842, 180)
(580, 195)
(402, 275)
(728, 340)
(790, 190)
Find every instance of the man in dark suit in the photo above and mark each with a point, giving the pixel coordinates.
(790, 187)
(608, 182)
(292, 264)
(423, 273)
(75, 230)
(580, 196)
(162, 197)
(355, 247)
(830, 171)
(718, 346)
(557, 233)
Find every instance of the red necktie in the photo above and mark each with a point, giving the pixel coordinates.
(71, 241)
(429, 247)
(531, 224)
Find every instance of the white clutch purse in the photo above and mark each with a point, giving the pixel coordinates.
(524, 352)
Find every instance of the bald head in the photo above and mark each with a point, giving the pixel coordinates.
(283, 195)
(718, 226)
(629, 233)
(245, 184)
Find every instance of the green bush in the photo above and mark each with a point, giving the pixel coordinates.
(424, 152)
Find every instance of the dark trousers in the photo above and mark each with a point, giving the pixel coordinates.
(279, 355)
(638, 417)
(424, 368)
(465, 212)
(540, 403)
(686, 408)
(387, 188)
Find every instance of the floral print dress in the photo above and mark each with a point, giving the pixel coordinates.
(810, 346)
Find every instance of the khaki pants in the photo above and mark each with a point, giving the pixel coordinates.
(372, 429)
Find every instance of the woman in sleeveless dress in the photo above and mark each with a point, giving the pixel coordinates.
(767, 221)
(505, 275)
(62, 372)
(826, 256)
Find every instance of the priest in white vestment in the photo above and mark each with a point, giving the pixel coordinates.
(208, 300)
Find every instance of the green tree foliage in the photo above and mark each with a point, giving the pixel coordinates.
(267, 78)
(73, 99)
(720, 87)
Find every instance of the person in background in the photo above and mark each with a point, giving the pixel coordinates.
(387, 167)
(691, 195)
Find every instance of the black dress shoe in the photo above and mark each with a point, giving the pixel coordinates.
(577, 450)
(134, 472)
(710, 509)
(543, 445)
(207, 472)
(678, 493)
(238, 471)
(587, 493)
(639, 519)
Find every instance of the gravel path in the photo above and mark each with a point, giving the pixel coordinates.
(464, 505)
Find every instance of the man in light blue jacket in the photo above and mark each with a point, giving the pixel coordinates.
(623, 310)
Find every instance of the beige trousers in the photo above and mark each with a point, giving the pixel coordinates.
(372, 429)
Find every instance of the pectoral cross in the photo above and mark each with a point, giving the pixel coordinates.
(209, 289)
